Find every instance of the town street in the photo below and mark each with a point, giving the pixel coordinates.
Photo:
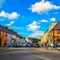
(27, 54)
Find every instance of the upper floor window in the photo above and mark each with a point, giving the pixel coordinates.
(58, 31)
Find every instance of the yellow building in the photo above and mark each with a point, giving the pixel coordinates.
(47, 34)
(42, 41)
(55, 33)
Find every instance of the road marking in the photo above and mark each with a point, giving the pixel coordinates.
(44, 58)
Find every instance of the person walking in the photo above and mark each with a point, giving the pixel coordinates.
(55, 44)
(46, 44)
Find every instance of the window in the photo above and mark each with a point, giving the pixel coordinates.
(58, 31)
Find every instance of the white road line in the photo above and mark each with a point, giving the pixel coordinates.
(41, 57)
(44, 58)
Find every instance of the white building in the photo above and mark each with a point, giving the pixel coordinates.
(9, 40)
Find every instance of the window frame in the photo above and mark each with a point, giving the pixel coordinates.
(58, 31)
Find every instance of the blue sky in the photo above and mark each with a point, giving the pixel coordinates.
(30, 18)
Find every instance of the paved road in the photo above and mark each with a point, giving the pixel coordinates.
(27, 54)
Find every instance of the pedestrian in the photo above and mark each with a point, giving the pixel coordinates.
(52, 45)
(55, 44)
(46, 44)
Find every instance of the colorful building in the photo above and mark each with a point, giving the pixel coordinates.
(42, 41)
(7, 36)
(3, 36)
(47, 34)
(55, 33)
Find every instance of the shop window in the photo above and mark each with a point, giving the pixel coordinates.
(58, 31)
(58, 41)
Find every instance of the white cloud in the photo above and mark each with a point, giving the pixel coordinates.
(42, 7)
(12, 22)
(43, 0)
(33, 26)
(37, 34)
(12, 15)
(3, 14)
(53, 19)
(43, 20)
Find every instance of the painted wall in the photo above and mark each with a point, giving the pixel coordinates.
(4, 37)
(56, 33)
(9, 40)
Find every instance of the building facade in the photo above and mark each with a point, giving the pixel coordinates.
(7, 36)
(48, 34)
(3, 36)
(55, 33)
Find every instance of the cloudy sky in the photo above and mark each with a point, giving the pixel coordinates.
(30, 18)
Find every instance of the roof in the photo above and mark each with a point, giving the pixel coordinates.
(5, 29)
(57, 26)
(9, 31)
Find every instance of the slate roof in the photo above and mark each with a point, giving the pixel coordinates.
(57, 26)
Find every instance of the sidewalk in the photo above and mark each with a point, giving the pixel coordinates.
(4, 48)
(50, 50)
(43, 49)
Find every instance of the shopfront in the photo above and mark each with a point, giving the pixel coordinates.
(58, 40)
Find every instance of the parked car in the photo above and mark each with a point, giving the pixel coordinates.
(30, 45)
(36, 45)
(23, 44)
